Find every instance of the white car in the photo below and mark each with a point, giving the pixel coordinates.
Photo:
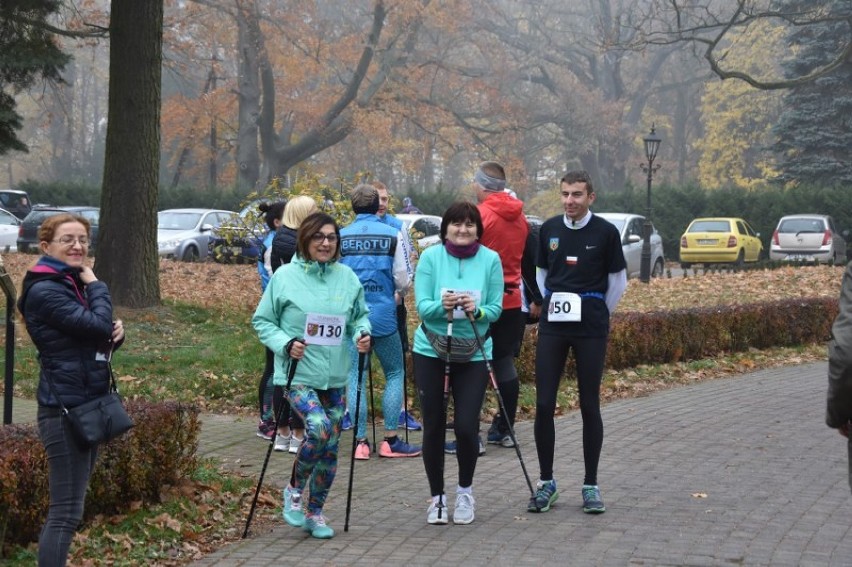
(184, 234)
(807, 238)
(632, 232)
(425, 229)
(9, 225)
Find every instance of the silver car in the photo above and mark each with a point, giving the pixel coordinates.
(807, 238)
(184, 234)
(632, 235)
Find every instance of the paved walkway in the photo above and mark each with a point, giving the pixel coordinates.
(738, 471)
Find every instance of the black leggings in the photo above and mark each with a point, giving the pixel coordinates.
(289, 418)
(550, 357)
(467, 386)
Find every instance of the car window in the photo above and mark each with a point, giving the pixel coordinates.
(177, 221)
(427, 226)
(8, 218)
(710, 226)
(635, 227)
(91, 216)
(797, 226)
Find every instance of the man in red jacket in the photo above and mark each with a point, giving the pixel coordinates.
(505, 231)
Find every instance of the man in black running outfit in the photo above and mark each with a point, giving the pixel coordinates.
(582, 274)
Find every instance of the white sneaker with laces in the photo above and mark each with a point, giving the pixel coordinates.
(438, 514)
(465, 505)
(295, 443)
(282, 442)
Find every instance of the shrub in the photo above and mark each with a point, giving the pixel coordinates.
(703, 332)
(159, 451)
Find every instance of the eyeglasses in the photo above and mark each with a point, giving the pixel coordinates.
(68, 240)
(318, 237)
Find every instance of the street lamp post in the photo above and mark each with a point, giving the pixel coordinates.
(652, 144)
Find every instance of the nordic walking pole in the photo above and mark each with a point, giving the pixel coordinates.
(290, 374)
(404, 397)
(442, 506)
(362, 356)
(372, 400)
(481, 346)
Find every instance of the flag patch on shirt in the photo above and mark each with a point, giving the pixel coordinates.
(570, 260)
(554, 244)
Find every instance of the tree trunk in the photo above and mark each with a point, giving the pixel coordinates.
(127, 248)
(248, 95)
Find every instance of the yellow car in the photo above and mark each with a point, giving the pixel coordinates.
(719, 240)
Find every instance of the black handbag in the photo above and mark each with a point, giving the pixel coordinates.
(97, 421)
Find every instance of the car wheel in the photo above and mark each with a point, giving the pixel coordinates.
(657, 271)
(190, 254)
(740, 259)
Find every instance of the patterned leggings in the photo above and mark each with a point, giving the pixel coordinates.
(389, 351)
(316, 462)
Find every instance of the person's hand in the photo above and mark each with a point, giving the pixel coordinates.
(117, 331)
(363, 344)
(466, 303)
(844, 429)
(87, 276)
(297, 350)
(535, 311)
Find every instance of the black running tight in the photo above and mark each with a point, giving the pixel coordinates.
(551, 355)
(467, 388)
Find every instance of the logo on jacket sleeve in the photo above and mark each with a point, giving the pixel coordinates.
(554, 244)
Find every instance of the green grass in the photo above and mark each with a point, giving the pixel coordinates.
(177, 352)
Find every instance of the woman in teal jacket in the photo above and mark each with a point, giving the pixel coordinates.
(459, 277)
(310, 309)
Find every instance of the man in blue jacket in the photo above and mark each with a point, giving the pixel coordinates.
(375, 253)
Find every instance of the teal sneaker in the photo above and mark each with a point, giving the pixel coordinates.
(292, 512)
(545, 495)
(592, 501)
(316, 526)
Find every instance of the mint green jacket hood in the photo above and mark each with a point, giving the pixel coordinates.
(297, 289)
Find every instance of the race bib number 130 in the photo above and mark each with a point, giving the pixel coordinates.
(324, 329)
(564, 307)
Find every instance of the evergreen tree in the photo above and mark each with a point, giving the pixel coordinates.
(27, 52)
(814, 133)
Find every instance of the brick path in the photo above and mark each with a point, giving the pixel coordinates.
(736, 471)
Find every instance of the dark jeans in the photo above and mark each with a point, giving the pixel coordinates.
(69, 470)
(467, 388)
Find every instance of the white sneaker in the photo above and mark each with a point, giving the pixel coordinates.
(282, 442)
(438, 514)
(463, 513)
(295, 443)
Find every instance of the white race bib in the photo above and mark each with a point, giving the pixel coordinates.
(476, 294)
(324, 329)
(564, 307)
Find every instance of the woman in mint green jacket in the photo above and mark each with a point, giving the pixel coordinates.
(310, 310)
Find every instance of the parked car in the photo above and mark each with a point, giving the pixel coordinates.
(719, 240)
(811, 238)
(28, 230)
(184, 234)
(632, 230)
(9, 224)
(16, 202)
(424, 229)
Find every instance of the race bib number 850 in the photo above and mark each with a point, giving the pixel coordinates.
(564, 307)
(324, 329)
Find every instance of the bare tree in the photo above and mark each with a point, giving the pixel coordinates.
(715, 26)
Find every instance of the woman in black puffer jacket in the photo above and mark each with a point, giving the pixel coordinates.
(68, 314)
